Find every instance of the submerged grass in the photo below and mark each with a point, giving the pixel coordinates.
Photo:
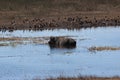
(94, 48)
(14, 41)
(3, 44)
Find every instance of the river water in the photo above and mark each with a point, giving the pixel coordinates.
(40, 61)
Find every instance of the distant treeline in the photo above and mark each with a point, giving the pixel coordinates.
(73, 5)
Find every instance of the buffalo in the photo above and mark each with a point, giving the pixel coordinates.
(62, 42)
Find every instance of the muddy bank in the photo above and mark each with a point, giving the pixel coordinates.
(66, 22)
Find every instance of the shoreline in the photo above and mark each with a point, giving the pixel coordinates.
(82, 78)
(77, 20)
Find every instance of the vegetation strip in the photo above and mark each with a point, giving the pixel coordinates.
(82, 78)
(94, 48)
(53, 14)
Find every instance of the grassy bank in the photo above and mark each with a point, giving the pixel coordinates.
(20, 8)
(60, 5)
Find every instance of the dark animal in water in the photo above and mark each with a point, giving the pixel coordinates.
(62, 42)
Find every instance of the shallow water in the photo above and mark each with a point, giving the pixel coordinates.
(39, 61)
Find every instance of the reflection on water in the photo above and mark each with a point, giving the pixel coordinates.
(36, 60)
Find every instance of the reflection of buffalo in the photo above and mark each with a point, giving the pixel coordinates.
(62, 42)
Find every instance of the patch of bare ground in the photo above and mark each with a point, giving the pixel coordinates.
(94, 48)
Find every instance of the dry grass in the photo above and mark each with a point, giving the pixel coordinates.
(60, 5)
(103, 48)
(14, 41)
(3, 44)
(83, 78)
(22, 38)
(14, 9)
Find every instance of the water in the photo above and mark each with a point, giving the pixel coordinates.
(39, 61)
